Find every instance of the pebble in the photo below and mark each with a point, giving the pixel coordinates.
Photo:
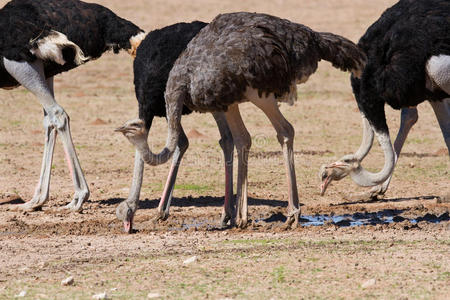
(153, 295)
(21, 294)
(67, 281)
(101, 296)
(190, 260)
(368, 283)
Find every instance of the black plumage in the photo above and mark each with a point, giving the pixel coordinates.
(92, 27)
(241, 50)
(40, 39)
(398, 45)
(154, 59)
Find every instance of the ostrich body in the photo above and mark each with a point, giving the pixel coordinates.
(41, 39)
(155, 58)
(252, 57)
(408, 50)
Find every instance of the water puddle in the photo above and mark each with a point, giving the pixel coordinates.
(360, 219)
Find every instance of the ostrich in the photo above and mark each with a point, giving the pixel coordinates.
(252, 57)
(41, 39)
(154, 60)
(408, 52)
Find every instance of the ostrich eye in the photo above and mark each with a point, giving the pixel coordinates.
(324, 176)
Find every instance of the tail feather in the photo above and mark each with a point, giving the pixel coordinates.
(342, 53)
(52, 47)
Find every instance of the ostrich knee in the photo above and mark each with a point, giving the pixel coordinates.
(183, 142)
(286, 135)
(409, 116)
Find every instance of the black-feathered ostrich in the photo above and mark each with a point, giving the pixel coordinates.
(408, 50)
(154, 60)
(252, 57)
(40, 39)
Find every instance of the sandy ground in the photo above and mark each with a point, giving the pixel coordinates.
(405, 259)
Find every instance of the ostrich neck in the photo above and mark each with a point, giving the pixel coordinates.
(174, 106)
(363, 177)
(157, 159)
(367, 140)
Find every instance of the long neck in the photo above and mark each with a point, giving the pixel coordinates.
(367, 140)
(174, 111)
(363, 177)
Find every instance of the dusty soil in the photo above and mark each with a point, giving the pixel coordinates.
(408, 258)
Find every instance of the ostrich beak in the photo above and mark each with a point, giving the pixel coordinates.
(131, 127)
(128, 225)
(324, 185)
(121, 129)
(325, 176)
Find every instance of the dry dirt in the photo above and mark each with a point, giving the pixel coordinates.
(404, 259)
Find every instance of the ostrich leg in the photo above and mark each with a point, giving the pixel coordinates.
(227, 145)
(442, 112)
(31, 76)
(243, 142)
(166, 198)
(285, 135)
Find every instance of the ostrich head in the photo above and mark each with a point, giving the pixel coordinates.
(337, 170)
(125, 212)
(135, 132)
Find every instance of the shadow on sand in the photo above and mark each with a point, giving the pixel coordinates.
(202, 201)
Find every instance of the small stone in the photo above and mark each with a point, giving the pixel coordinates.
(101, 296)
(411, 165)
(368, 283)
(21, 294)
(153, 295)
(190, 260)
(67, 281)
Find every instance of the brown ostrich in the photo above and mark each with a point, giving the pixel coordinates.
(252, 57)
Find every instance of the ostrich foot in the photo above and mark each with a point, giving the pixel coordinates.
(31, 205)
(161, 216)
(226, 217)
(241, 223)
(224, 221)
(34, 204)
(292, 218)
(77, 202)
